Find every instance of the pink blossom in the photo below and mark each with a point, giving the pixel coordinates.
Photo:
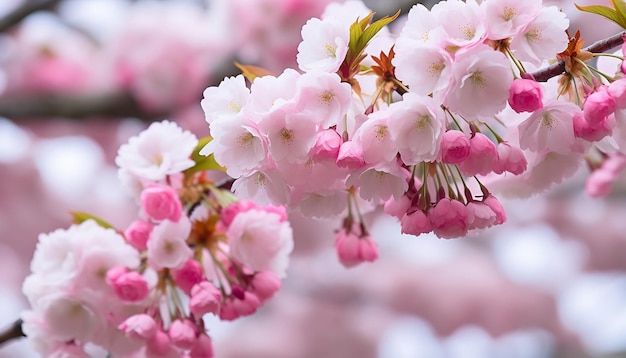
(228, 311)
(324, 45)
(480, 215)
(128, 286)
(139, 326)
(483, 157)
(327, 145)
(455, 147)
(248, 305)
(583, 129)
(506, 18)
(261, 241)
(203, 348)
(189, 274)
(550, 128)
(161, 202)
(525, 95)
(397, 207)
(543, 37)
(416, 125)
(137, 234)
(291, 134)
(598, 106)
(265, 284)
(159, 344)
(378, 183)
(481, 81)
(183, 333)
(416, 223)
(167, 247)
(510, 159)
(350, 155)
(162, 149)
(204, 298)
(449, 218)
(325, 95)
(497, 208)
(353, 249)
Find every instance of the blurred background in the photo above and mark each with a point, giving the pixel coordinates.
(79, 77)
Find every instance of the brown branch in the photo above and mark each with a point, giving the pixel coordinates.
(74, 106)
(12, 332)
(25, 9)
(597, 47)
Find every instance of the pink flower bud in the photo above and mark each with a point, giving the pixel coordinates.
(497, 208)
(159, 344)
(353, 250)
(138, 233)
(449, 218)
(114, 273)
(510, 159)
(183, 334)
(455, 147)
(598, 106)
(525, 95)
(397, 208)
(327, 145)
(189, 274)
(248, 305)
(204, 298)
(161, 202)
(140, 326)
(228, 311)
(129, 286)
(479, 215)
(350, 155)
(265, 284)
(483, 157)
(203, 349)
(584, 130)
(416, 223)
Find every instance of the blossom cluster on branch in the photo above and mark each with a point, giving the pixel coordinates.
(471, 117)
(430, 125)
(143, 291)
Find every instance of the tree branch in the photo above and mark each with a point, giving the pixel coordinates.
(75, 106)
(12, 332)
(600, 46)
(25, 9)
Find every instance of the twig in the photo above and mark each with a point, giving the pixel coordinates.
(27, 8)
(74, 107)
(600, 46)
(12, 332)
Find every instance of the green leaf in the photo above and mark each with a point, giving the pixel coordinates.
(374, 28)
(79, 217)
(203, 162)
(603, 11)
(620, 8)
(361, 32)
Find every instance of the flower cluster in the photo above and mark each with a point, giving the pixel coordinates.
(470, 116)
(143, 292)
(311, 141)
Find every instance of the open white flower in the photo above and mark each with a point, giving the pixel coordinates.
(324, 45)
(162, 149)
